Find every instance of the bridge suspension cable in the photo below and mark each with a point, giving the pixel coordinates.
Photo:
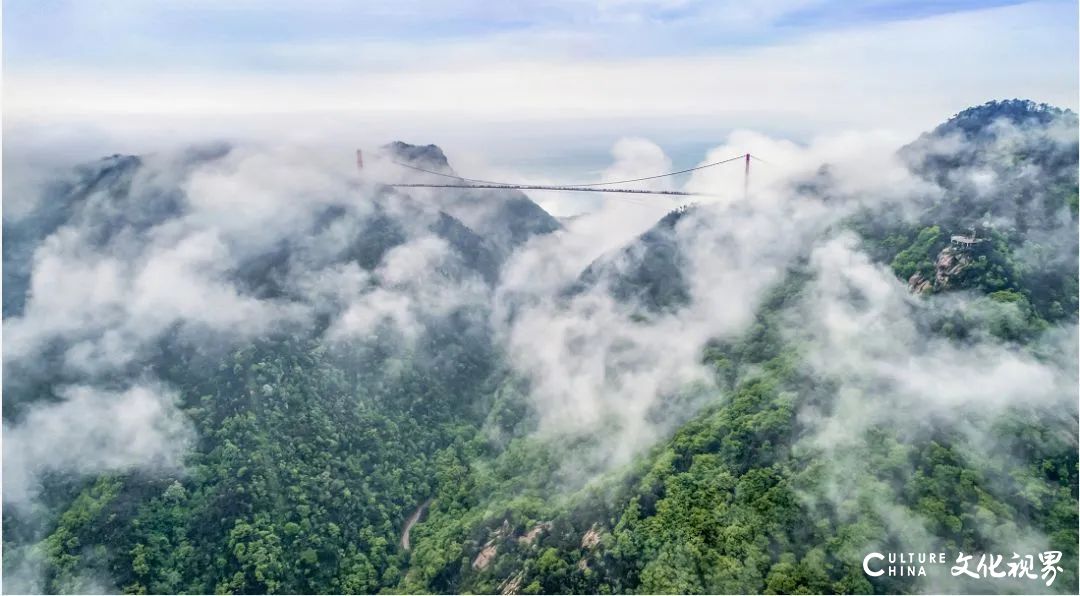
(604, 186)
(604, 183)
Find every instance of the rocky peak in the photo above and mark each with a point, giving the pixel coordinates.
(950, 262)
(429, 157)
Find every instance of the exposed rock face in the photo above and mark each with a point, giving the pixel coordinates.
(591, 539)
(950, 262)
(918, 284)
(511, 585)
(486, 556)
(529, 537)
(429, 157)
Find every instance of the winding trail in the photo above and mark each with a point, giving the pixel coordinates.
(409, 523)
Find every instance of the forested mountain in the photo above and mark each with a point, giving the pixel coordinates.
(506, 218)
(232, 373)
(648, 271)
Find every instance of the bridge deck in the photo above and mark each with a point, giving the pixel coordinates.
(547, 187)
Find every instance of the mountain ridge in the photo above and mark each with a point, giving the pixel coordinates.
(364, 374)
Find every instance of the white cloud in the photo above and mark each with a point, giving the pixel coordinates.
(596, 365)
(810, 83)
(414, 284)
(93, 431)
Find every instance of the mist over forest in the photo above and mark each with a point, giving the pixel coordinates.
(246, 367)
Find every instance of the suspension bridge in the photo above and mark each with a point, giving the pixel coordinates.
(605, 186)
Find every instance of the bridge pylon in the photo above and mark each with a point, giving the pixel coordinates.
(746, 179)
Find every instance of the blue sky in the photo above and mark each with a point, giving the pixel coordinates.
(511, 78)
(251, 36)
